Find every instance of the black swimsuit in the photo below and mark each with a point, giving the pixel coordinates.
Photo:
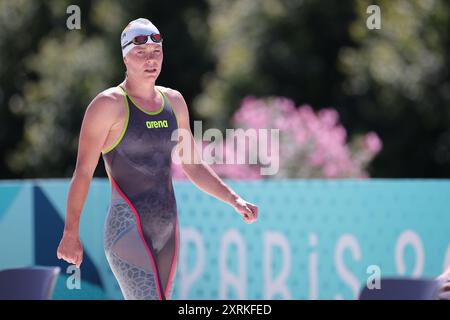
(141, 235)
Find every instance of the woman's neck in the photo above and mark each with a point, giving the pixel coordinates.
(141, 89)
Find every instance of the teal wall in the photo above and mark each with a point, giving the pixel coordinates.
(315, 239)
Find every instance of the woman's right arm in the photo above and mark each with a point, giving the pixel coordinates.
(97, 121)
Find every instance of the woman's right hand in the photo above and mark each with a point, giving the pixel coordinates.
(70, 249)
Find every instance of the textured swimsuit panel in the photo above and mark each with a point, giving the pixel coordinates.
(141, 235)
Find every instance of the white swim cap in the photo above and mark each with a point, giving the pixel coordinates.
(139, 27)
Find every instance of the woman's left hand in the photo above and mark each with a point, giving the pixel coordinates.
(246, 209)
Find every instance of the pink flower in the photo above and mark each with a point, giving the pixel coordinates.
(285, 105)
(330, 170)
(329, 117)
(311, 144)
(340, 134)
(317, 158)
(373, 142)
(300, 135)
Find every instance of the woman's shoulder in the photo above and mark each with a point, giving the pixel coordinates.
(108, 103)
(169, 92)
(112, 95)
(176, 99)
(178, 103)
(108, 98)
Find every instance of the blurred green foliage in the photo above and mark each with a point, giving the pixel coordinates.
(394, 81)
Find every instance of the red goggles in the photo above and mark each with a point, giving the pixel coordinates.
(143, 39)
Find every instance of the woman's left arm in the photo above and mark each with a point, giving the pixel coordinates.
(199, 172)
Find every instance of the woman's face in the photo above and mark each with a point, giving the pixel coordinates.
(144, 61)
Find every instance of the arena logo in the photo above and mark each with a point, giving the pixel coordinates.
(157, 124)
